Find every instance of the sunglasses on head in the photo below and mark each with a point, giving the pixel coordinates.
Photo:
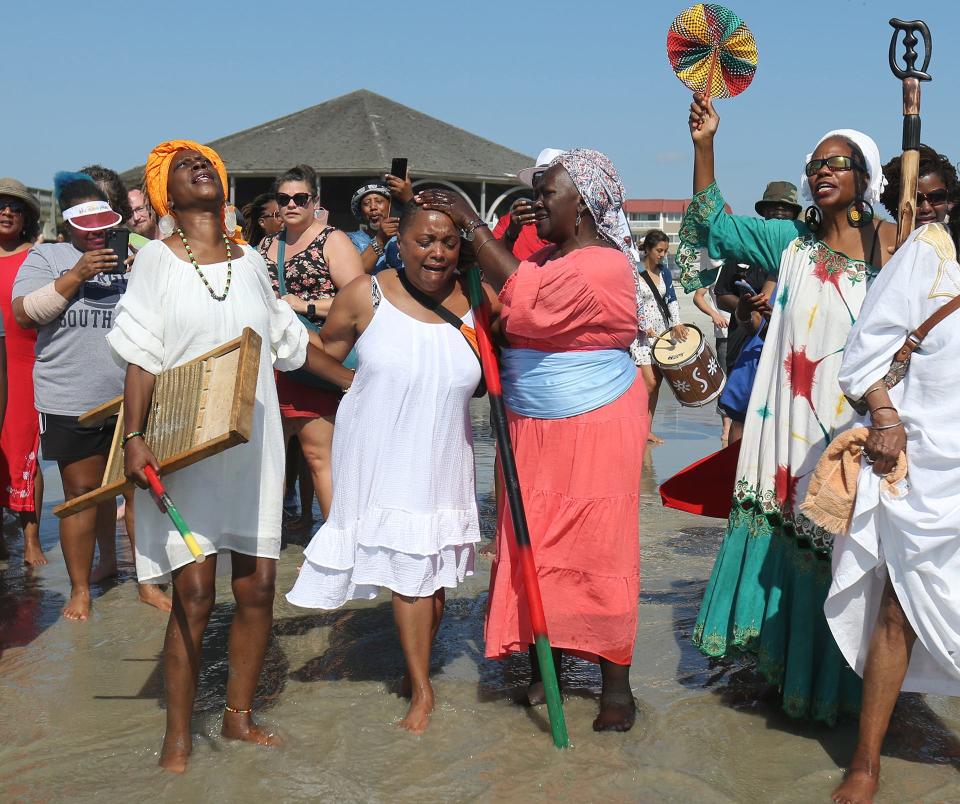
(300, 199)
(934, 198)
(16, 207)
(835, 163)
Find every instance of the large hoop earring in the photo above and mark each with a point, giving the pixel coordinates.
(813, 218)
(576, 224)
(167, 225)
(860, 213)
(230, 219)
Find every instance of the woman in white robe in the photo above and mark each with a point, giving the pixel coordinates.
(194, 291)
(894, 604)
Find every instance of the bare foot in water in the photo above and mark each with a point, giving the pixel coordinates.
(175, 753)
(418, 715)
(78, 607)
(32, 552)
(240, 726)
(103, 570)
(536, 694)
(858, 786)
(654, 439)
(618, 711)
(152, 595)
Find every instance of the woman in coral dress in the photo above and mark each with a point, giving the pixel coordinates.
(577, 410)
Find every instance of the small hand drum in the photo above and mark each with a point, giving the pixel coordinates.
(689, 367)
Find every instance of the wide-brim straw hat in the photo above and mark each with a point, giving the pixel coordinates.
(17, 189)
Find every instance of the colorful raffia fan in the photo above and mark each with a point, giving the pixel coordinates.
(712, 50)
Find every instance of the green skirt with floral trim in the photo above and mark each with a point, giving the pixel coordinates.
(765, 597)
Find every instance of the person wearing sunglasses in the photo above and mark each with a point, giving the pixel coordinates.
(766, 592)
(261, 219)
(937, 187)
(317, 261)
(21, 484)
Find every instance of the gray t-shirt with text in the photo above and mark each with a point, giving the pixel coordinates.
(75, 370)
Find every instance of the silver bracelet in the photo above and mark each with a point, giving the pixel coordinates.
(885, 426)
(479, 248)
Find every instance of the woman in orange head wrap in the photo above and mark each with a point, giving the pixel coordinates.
(158, 170)
(187, 294)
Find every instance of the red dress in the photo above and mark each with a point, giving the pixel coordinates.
(20, 440)
(579, 476)
(527, 243)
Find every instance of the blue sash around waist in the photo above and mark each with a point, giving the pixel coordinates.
(555, 385)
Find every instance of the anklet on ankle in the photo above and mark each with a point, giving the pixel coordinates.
(233, 711)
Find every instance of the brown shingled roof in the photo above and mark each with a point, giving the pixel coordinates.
(358, 134)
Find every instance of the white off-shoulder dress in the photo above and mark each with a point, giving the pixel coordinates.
(231, 501)
(404, 512)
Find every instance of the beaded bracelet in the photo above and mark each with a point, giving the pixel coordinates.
(128, 436)
(377, 248)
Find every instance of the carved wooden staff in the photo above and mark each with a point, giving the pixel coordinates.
(911, 78)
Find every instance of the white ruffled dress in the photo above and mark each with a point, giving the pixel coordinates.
(232, 501)
(404, 512)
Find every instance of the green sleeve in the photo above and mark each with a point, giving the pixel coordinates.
(754, 241)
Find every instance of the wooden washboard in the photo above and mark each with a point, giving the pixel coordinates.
(198, 409)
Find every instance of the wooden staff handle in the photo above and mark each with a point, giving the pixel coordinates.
(910, 161)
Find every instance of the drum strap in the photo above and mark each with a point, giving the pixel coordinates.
(658, 297)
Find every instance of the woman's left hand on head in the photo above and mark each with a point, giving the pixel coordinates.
(453, 204)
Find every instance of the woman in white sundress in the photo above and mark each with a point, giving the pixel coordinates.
(404, 514)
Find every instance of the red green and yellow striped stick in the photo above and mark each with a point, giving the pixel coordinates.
(165, 504)
(508, 465)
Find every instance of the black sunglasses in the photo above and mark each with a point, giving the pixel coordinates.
(300, 199)
(934, 198)
(835, 163)
(16, 207)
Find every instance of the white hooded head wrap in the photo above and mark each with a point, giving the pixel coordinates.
(871, 153)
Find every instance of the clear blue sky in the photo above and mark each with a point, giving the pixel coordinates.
(96, 81)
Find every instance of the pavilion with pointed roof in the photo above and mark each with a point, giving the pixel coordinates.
(351, 140)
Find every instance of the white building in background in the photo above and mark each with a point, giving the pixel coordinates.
(665, 214)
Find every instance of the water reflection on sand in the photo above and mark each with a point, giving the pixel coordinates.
(82, 710)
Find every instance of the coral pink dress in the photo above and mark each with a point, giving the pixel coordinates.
(579, 476)
(19, 442)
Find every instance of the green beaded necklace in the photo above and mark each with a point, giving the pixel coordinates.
(193, 260)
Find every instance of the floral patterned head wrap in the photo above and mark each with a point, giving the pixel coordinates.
(598, 183)
(157, 172)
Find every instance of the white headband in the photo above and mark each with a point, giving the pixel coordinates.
(877, 181)
(91, 216)
(86, 208)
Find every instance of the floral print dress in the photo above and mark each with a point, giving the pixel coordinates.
(766, 593)
(650, 316)
(305, 274)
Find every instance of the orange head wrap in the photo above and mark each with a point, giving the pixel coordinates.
(157, 172)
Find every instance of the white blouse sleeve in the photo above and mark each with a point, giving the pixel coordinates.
(288, 335)
(137, 334)
(890, 311)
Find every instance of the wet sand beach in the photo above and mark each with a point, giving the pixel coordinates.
(81, 710)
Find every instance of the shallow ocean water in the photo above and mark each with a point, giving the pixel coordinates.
(81, 710)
